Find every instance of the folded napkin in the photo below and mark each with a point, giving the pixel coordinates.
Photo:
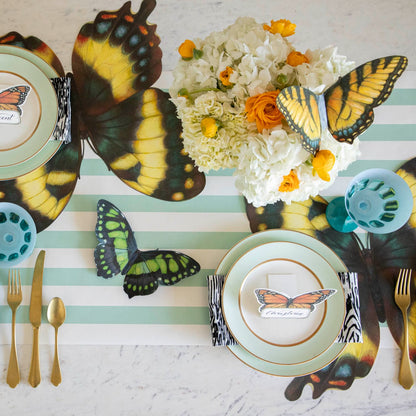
(351, 330)
(62, 129)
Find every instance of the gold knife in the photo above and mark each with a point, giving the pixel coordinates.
(35, 317)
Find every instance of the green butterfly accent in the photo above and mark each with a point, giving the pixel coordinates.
(117, 252)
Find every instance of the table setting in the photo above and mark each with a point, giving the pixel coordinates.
(250, 202)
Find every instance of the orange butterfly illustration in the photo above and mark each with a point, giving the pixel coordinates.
(11, 98)
(271, 299)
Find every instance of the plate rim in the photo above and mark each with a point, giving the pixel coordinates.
(52, 146)
(268, 351)
(42, 87)
(295, 370)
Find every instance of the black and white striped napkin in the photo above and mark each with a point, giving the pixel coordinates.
(351, 330)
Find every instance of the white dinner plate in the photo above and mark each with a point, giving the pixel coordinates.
(269, 236)
(27, 145)
(291, 269)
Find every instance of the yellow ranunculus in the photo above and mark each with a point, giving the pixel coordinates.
(209, 127)
(323, 162)
(296, 58)
(263, 110)
(282, 26)
(186, 50)
(290, 182)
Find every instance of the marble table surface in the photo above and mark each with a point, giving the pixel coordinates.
(203, 380)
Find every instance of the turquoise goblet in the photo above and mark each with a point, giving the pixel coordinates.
(377, 200)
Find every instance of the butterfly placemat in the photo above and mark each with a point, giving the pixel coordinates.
(377, 264)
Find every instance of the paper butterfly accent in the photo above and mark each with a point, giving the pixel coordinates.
(131, 126)
(278, 304)
(10, 101)
(117, 252)
(346, 108)
(377, 266)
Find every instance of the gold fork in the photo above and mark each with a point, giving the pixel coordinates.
(14, 298)
(402, 298)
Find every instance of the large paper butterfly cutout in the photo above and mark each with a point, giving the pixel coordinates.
(131, 126)
(12, 98)
(117, 253)
(377, 266)
(346, 108)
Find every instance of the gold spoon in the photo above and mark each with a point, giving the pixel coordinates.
(56, 317)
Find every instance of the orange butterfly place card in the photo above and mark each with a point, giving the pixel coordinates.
(274, 304)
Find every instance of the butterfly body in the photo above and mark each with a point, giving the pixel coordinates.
(117, 253)
(349, 103)
(130, 125)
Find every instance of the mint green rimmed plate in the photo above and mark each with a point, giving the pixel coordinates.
(38, 149)
(268, 236)
(282, 340)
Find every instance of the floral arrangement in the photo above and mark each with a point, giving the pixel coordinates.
(225, 88)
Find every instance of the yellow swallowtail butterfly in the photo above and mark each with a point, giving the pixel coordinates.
(346, 108)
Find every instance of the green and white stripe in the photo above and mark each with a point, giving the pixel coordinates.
(99, 312)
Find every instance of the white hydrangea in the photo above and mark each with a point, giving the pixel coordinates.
(258, 61)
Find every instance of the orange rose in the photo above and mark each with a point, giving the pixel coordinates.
(296, 58)
(323, 162)
(186, 50)
(282, 26)
(290, 182)
(263, 110)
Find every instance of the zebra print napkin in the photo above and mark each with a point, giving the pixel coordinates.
(62, 129)
(351, 330)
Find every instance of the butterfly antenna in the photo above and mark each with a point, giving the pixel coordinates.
(359, 242)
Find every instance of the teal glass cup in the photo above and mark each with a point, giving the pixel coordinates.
(377, 200)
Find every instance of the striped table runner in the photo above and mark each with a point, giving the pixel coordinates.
(99, 312)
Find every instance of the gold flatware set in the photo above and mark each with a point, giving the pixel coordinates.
(55, 314)
(56, 317)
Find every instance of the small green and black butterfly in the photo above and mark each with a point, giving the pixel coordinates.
(117, 252)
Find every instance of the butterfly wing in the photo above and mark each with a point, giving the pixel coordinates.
(116, 248)
(158, 266)
(139, 141)
(301, 110)
(11, 98)
(395, 251)
(351, 100)
(36, 46)
(132, 127)
(310, 299)
(271, 299)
